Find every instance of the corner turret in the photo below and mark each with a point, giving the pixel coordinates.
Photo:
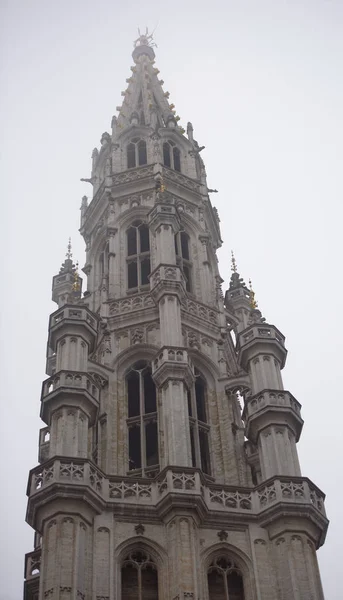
(67, 285)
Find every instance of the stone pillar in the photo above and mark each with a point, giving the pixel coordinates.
(182, 547)
(69, 433)
(66, 560)
(170, 320)
(113, 264)
(176, 423)
(297, 568)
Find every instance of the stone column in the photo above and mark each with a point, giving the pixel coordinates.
(183, 553)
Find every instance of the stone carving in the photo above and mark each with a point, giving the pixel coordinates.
(231, 499)
(129, 490)
(267, 494)
(139, 529)
(199, 310)
(292, 490)
(137, 335)
(131, 304)
(183, 481)
(132, 175)
(72, 471)
(43, 477)
(223, 535)
(95, 480)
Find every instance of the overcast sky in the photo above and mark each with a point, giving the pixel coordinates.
(261, 81)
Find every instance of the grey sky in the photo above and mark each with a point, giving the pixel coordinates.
(261, 81)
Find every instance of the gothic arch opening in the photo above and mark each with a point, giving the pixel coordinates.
(142, 421)
(224, 579)
(138, 256)
(171, 155)
(199, 428)
(139, 576)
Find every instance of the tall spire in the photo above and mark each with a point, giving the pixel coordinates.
(145, 103)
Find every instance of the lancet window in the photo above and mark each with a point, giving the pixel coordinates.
(104, 261)
(225, 581)
(198, 423)
(171, 155)
(139, 577)
(138, 256)
(183, 257)
(142, 421)
(136, 153)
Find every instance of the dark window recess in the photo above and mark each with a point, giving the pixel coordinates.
(176, 245)
(177, 161)
(135, 461)
(216, 585)
(194, 463)
(131, 156)
(200, 399)
(132, 275)
(189, 402)
(142, 119)
(144, 238)
(145, 271)
(149, 584)
(131, 241)
(129, 583)
(133, 394)
(235, 586)
(204, 452)
(184, 245)
(166, 155)
(102, 263)
(142, 154)
(151, 444)
(186, 272)
(149, 394)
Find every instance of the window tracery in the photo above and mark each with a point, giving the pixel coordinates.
(198, 423)
(183, 257)
(142, 421)
(139, 577)
(225, 581)
(136, 153)
(138, 255)
(171, 156)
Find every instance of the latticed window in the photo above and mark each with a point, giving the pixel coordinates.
(138, 255)
(225, 581)
(136, 153)
(198, 422)
(171, 155)
(183, 257)
(139, 577)
(142, 421)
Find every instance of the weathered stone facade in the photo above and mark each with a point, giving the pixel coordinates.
(152, 482)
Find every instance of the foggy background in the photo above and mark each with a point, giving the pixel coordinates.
(261, 81)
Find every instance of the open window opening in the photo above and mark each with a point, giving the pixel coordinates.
(136, 151)
(171, 156)
(198, 423)
(225, 581)
(182, 251)
(138, 256)
(139, 577)
(142, 420)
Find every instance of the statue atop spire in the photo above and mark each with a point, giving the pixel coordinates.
(145, 39)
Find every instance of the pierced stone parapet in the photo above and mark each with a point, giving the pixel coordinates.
(33, 564)
(179, 179)
(129, 305)
(69, 388)
(271, 407)
(279, 493)
(132, 175)
(172, 362)
(73, 320)
(261, 339)
(167, 279)
(199, 310)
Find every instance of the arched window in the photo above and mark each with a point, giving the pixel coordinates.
(142, 421)
(225, 581)
(171, 155)
(136, 153)
(104, 261)
(198, 423)
(183, 257)
(138, 256)
(139, 577)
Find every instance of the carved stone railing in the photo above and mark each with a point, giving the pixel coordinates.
(180, 179)
(205, 313)
(263, 331)
(70, 379)
(73, 313)
(280, 399)
(32, 564)
(133, 175)
(180, 481)
(128, 305)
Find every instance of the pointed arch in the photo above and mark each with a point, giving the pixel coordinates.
(241, 564)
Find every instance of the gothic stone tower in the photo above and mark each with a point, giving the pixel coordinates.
(152, 483)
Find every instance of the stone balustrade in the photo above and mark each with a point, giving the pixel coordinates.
(78, 313)
(70, 379)
(32, 564)
(172, 354)
(263, 331)
(270, 398)
(183, 482)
